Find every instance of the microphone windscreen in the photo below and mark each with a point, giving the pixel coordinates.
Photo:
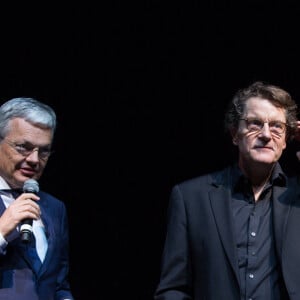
(31, 186)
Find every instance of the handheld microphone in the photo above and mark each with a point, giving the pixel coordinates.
(30, 186)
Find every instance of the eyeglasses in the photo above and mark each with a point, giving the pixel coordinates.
(255, 124)
(26, 149)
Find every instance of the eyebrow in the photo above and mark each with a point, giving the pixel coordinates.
(27, 143)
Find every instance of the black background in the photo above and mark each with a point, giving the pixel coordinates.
(140, 90)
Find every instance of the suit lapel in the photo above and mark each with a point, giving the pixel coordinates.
(2, 206)
(221, 207)
(282, 198)
(49, 230)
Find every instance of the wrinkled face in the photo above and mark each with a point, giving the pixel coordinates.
(24, 152)
(261, 135)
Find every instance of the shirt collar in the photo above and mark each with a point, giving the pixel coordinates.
(3, 184)
(278, 177)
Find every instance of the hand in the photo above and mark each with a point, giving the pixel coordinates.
(297, 135)
(297, 138)
(24, 207)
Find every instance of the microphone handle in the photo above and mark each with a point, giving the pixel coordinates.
(30, 186)
(26, 230)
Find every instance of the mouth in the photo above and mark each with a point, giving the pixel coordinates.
(263, 148)
(27, 172)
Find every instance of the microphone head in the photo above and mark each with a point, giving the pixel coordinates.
(31, 186)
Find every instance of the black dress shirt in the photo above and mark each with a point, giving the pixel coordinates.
(260, 274)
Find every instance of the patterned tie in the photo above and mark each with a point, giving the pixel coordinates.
(30, 249)
(14, 192)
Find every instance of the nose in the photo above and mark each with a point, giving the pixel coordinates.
(34, 155)
(265, 131)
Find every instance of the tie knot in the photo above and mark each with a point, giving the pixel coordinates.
(14, 192)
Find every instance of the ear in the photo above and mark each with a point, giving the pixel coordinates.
(234, 136)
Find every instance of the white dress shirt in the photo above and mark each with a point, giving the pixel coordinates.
(38, 227)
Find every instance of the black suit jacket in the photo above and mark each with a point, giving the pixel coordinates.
(199, 259)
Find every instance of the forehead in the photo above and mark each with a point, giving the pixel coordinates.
(21, 129)
(263, 108)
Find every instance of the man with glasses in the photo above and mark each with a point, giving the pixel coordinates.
(235, 233)
(36, 269)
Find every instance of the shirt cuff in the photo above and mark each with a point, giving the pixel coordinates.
(3, 244)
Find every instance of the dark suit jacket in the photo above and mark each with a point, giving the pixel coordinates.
(199, 259)
(18, 279)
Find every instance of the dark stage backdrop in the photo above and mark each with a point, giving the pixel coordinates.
(140, 90)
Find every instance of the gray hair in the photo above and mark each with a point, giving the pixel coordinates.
(29, 109)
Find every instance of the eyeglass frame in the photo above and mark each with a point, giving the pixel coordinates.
(261, 126)
(25, 150)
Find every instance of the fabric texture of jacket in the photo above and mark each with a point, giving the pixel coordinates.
(18, 279)
(199, 260)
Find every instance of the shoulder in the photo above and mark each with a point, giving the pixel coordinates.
(218, 177)
(203, 184)
(50, 200)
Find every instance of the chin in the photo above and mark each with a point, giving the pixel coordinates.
(265, 161)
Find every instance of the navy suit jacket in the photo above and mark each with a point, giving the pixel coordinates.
(18, 279)
(199, 260)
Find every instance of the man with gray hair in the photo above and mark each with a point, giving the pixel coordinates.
(34, 238)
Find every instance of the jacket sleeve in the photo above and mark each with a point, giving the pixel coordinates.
(175, 281)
